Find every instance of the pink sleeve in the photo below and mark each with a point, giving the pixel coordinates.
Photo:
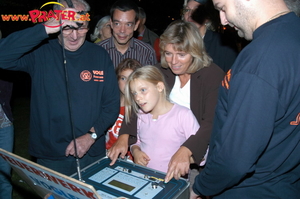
(190, 124)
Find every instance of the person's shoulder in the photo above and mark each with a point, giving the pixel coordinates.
(98, 40)
(211, 75)
(103, 42)
(212, 34)
(180, 107)
(212, 69)
(151, 33)
(96, 52)
(181, 111)
(141, 44)
(93, 46)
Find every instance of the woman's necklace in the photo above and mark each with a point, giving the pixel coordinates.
(278, 15)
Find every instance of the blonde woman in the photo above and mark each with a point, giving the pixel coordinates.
(194, 81)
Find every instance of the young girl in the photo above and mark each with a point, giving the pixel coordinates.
(162, 126)
(124, 69)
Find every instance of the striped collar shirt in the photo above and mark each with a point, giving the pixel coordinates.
(141, 51)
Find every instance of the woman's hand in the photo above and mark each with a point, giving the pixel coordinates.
(179, 164)
(119, 148)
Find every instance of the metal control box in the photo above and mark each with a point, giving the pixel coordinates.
(132, 181)
(98, 180)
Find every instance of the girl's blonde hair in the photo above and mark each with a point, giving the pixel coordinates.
(147, 73)
(184, 36)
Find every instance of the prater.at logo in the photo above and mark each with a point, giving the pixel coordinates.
(43, 16)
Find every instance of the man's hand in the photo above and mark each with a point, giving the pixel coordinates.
(179, 164)
(119, 148)
(53, 25)
(139, 156)
(83, 144)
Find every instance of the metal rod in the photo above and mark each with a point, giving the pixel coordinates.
(70, 4)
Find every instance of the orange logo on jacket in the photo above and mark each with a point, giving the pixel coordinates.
(98, 75)
(86, 75)
(297, 121)
(226, 80)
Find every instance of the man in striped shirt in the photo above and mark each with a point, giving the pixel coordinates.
(124, 21)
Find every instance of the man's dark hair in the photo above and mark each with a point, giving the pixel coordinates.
(124, 6)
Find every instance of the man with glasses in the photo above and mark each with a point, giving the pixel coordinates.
(124, 21)
(74, 93)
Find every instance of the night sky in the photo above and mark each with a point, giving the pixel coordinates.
(159, 12)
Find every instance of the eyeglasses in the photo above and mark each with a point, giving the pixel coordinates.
(69, 29)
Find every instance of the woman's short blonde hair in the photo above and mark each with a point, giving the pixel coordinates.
(147, 73)
(185, 37)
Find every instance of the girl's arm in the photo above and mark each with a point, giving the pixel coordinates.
(139, 156)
